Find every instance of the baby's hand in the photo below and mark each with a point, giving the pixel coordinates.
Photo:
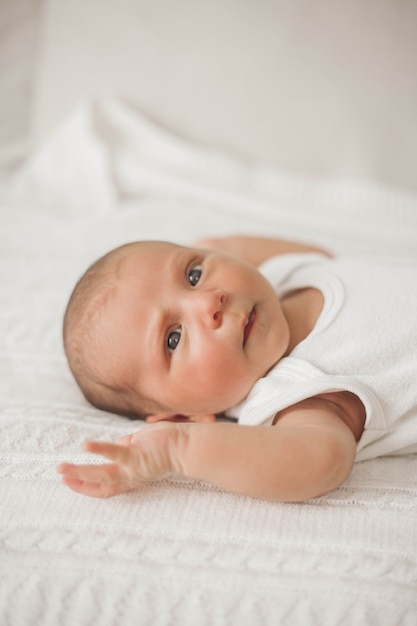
(227, 245)
(237, 246)
(136, 460)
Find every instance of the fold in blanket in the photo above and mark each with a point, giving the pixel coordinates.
(110, 156)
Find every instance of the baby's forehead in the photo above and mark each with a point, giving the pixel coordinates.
(159, 247)
(138, 265)
(144, 248)
(145, 256)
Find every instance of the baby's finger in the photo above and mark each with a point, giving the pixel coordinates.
(113, 452)
(94, 490)
(205, 243)
(124, 441)
(104, 473)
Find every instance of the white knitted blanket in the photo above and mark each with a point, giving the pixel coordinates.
(177, 552)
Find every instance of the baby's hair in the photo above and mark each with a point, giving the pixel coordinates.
(85, 310)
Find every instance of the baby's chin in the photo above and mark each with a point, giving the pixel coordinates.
(180, 418)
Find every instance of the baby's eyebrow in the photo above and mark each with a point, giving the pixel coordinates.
(180, 261)
(157, 334)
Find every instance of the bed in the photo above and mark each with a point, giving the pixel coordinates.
(92, 171)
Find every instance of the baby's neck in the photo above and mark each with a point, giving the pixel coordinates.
(301, 309)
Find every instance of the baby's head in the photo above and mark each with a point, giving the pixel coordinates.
(153, 327)
(85, 323)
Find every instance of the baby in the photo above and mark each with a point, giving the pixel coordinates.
(322, 350)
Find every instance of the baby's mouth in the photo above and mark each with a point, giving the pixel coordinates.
(249, 325)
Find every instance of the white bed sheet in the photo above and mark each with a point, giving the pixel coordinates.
(177, 552)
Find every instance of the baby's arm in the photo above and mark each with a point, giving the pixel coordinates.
(255, 250)
(307, 454)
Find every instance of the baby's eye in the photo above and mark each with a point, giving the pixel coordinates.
(194, 275)
(173, 339)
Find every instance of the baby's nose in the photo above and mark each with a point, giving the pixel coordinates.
(212, 306)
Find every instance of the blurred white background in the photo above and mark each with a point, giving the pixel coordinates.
(314, 88)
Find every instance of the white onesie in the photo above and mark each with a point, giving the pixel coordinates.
(364, 341)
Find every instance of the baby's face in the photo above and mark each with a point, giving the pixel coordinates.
(192, 330)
